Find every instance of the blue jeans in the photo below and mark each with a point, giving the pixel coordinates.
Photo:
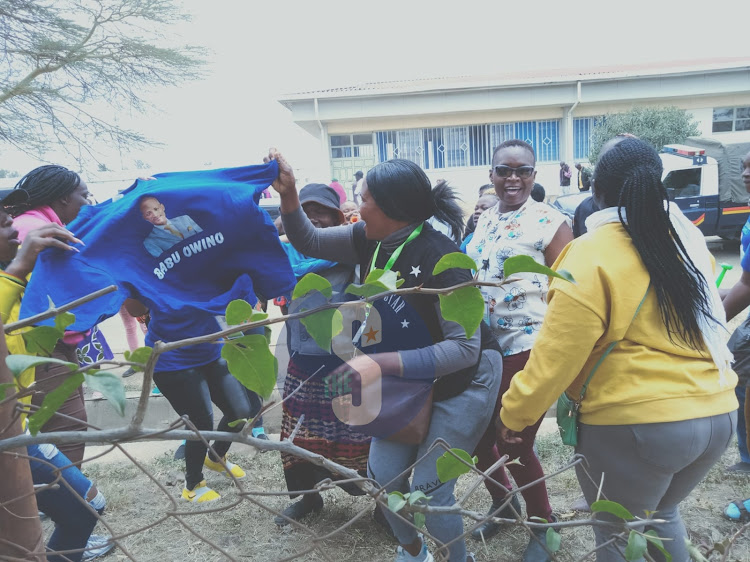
(73, 520)
(740, 391)
(461, 421)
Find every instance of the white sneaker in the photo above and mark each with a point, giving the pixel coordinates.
(423, 556)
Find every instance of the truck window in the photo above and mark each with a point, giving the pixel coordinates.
(683, 183)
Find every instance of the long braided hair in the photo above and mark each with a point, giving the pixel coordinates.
(45, 185)
(629, 177)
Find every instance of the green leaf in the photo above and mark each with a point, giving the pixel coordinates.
(323, 326)
(465, 306)
(235, 423)
(527, 264)
(312, 282)
(19, 363)
(449, 467)
(110, 385)
(251, 362)
(414, 497)
(378, 281)
(636, 546)
(612, 507)
(64, 320)
(553, 540)
(140, 355)
(418, 520)
(53, 400)
(454, 260)
(396, 501)
(41, 340)
(386, 278)
(366, 290)
(240, 312)
(654, 539)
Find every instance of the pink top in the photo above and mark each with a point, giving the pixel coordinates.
(338, 188)
(35, 218)
(31, 220)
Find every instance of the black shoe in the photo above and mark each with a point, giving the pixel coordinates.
(129, 373)
(489, 528)
(535, 552)
(310, 503)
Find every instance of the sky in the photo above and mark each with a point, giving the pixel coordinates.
(258, 51)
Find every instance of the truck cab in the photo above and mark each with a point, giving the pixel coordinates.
(692, 180)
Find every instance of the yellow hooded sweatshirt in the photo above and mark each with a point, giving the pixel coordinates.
(11, 292)
(646, 378)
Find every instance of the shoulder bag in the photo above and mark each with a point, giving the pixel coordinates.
(568, 409)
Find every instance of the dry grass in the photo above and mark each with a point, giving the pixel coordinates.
(247, 531)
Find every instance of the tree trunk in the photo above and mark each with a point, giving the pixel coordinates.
(20, 529)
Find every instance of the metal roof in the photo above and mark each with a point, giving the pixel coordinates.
(524, 78)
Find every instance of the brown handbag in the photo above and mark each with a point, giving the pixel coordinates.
(416, 430)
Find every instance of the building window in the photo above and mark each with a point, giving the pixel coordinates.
(583, 128)
(352, 146)
(727, 119)
(466, 146)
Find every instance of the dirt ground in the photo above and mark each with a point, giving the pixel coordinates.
(247, 531)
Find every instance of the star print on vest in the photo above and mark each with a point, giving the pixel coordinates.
(410, 322)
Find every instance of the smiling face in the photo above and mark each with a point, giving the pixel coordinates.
(153, 211)
(746, 172)
(378, 225)
(320, 215)
(9, 241)
(512, 191)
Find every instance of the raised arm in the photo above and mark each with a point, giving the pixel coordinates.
(334, 244)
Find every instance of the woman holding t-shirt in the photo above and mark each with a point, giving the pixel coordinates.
(406, 341)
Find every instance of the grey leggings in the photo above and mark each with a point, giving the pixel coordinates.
(461, 421)
(651, 467)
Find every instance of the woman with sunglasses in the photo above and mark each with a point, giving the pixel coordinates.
(517, 225)
(660, 410)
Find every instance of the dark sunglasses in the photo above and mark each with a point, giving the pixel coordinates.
(522, 172)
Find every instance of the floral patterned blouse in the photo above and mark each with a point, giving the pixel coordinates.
(514, 311)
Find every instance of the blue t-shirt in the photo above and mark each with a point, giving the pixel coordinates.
(184, 244)
(744, 254)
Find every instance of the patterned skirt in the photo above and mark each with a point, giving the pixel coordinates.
(321, 431)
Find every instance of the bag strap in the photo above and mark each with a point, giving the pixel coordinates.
(610, 347)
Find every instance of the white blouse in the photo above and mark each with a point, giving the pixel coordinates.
(514, 311)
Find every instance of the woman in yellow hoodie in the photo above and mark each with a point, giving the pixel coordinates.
(660, 409)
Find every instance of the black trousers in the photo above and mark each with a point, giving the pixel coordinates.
(191, 392)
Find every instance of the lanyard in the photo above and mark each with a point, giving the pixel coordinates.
(389, 264)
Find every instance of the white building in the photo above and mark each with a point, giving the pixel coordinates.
(450, 125)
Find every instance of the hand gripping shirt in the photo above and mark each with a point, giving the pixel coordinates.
(223, 247)
(514, 312)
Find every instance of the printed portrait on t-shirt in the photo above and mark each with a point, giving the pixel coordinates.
(166, 231)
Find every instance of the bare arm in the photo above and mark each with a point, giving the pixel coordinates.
(561, 238)
(738, 297)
